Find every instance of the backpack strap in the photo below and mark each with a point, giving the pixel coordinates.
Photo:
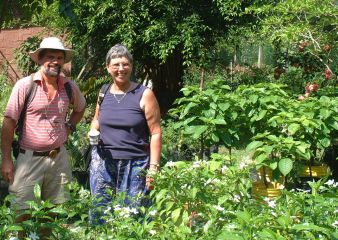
(103, 92)
(29, 97)
(69, 91)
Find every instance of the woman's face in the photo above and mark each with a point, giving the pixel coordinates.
(120, 69)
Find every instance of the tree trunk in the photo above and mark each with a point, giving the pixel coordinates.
(167, 80)
(237, 55)
(260, 56)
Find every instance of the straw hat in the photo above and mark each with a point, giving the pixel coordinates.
(51, 43)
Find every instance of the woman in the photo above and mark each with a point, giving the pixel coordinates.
(128, 119)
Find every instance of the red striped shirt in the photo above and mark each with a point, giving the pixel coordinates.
(44, 126)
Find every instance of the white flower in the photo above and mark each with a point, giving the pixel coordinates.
(13, 238)
(302, 190)
(219, 208)
(332, 183)
(237, 198)
(33, 236)
(335, 211)
(152, 213)
(117, 208)
(75, 230)
(216, 180)
(242, 165)
(224, 169)
(231, 226)
(84, 193)
(133, 210)
(152, 232)
(271, 203)
(170, 164)
(335, 224)
(196, 164)
(107, 210)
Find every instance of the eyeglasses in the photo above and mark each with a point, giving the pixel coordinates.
(118, 65)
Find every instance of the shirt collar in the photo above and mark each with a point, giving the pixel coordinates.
(61, 81)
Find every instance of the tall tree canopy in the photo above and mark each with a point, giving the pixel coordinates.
(164, 36)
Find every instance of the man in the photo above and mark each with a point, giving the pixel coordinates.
(42, 157)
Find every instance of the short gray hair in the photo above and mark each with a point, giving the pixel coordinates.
(118, 51)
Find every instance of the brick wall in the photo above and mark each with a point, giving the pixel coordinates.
(9, 41)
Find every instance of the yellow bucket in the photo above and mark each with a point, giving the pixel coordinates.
(317, 171)
(272, 190)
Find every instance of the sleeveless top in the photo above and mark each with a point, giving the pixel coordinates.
(123, 126)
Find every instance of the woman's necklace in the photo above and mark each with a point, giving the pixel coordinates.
(119, 99)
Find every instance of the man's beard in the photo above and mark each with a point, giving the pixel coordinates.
(52, 73)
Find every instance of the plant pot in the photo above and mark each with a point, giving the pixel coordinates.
(271, 190)
(314, 171)
(308, 174)
(265, 186)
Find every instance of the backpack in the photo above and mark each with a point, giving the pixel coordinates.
(29, 97)
(103, 92)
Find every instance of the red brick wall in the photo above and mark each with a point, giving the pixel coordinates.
(10, 40)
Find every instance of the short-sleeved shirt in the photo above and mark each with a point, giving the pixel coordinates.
(44, 126)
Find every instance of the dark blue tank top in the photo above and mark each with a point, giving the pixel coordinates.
(123, 127)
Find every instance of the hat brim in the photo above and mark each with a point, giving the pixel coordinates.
(68, 54)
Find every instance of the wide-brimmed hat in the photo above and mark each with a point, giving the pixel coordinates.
(51, 43)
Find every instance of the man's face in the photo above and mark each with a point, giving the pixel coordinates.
(51, 62)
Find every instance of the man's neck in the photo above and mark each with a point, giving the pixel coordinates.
(49, 80)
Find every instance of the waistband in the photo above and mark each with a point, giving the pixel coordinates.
(52, 153)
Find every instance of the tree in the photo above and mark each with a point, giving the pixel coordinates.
(164, 36)
(310, 24)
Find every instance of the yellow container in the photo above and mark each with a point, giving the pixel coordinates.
(268, 176)
(316, 171)
(271, 190)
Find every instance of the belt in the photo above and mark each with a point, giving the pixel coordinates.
(51, 153)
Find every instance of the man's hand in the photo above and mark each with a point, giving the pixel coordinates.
(7, 170)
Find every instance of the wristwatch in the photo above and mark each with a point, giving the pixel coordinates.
(71, 126)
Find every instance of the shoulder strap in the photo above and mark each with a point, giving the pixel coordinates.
(28, 99)
(103, 92)
(69, 92)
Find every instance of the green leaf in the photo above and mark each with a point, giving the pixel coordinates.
(14, 228)
(169, 205)
(219, 121)
(261, 158)
(187, 108)
(293, 128)
(325, 142)
(285, 166)
(176, 214)
(37, 191)
(244, 216)
(284, 221)
(214, 138)
(273, 165)
(224, 106)
(261, 115)
(194, 191)
(226, 235)
(199, 130)
(324, 113)
(311, 227)
(254, 145)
